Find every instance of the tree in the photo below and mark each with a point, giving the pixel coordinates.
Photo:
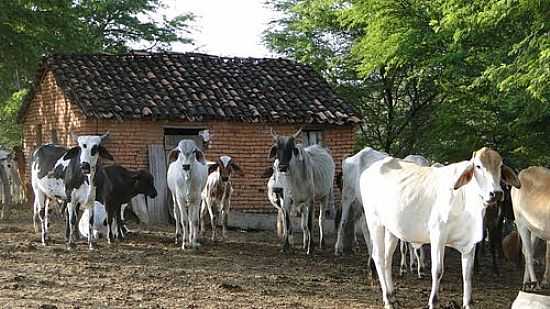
(321, 33)
(440, 77)
(33, 28)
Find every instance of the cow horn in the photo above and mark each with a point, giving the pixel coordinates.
(105, 136)
(74, 136)
(297, 134)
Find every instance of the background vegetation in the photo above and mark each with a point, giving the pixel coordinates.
(439, 78)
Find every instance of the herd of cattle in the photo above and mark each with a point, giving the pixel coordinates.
(388, 199)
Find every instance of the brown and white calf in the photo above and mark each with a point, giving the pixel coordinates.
(217, 192)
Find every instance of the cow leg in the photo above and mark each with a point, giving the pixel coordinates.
(403, 264)
(123, 219)
(323, 206)
(110, 232)
(437, 252)
(36, 210)
(467, 270)
(529, 276)
(368, 241)
(546, 277)
(377, 233)
(91, 241)
(226, 205)
(421, 259)
(71, 218)
(307, 218)
(347, 201)
(184, 224)
(390, 244)
(40, 200)
(194, 210)
(67, 219)
(177, 218)
(46, 223)
(286, 229)
(121, 234)
(204, 208)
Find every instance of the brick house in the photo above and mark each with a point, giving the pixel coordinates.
(148, 101)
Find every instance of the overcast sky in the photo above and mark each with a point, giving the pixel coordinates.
(224, 27)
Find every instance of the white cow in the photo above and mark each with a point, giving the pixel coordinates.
(186, 179)
(307, 174)
(442, 206)
(531, 205)
(416, 253)
(352, 207)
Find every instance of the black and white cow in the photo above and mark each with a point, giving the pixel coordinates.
(117, 185)
(69, 175)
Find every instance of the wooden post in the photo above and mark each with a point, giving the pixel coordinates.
(158, 207)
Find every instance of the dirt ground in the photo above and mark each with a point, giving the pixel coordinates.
(247, 271)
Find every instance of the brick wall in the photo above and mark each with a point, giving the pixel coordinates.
(247, 143)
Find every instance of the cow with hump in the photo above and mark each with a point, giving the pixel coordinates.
(186, 179)
(69, 175)
(441, 206)
(531, 204)
(305, 175)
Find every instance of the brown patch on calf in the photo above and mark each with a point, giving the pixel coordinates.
(491, 159)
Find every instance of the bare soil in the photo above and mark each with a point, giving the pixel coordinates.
(246, 271)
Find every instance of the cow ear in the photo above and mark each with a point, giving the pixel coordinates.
(173, 154)
(465, 177)
(71, 153)
(273, 152)
(105, 154)
(199, 155)
(268, 172)
(237, 168)
(212, 167)
(509, 176)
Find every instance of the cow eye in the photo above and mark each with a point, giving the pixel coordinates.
(84, 146)
(478, 166)
(95, 148)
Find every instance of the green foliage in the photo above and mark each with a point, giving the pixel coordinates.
(33, 28)
(11, 131)
(441, 78)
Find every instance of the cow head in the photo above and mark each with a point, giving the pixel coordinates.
(186, 154)
(226, 165)
(284, 148)
(487, 169)
(144, 183)
(89, 150)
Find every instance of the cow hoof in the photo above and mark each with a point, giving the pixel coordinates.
(403, 271)
(70, 246)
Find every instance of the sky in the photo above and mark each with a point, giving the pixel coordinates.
(224, 27)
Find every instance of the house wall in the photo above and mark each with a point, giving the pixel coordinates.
(247, 143)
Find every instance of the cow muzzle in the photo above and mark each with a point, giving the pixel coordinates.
(283, 168)
(225, 178)
(186, 167)
(85, 167)
(278, 191)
